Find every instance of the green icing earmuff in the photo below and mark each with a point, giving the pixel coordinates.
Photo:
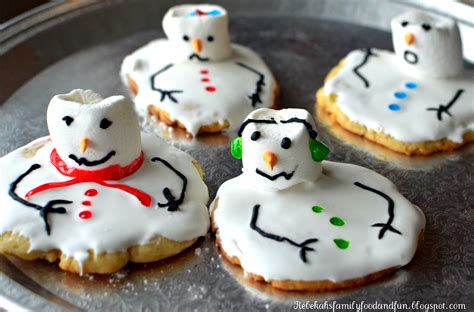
(319, 151)
(236, 148)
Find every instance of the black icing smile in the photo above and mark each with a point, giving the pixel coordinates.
(199, 58)
(283, 174)
(91, 163)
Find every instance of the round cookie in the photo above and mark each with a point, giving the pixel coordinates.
(422, 100)
(197, 79)
(97, 193)
(301, 223)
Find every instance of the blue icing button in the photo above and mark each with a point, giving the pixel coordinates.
(411, 85)
(394, 107)
(214, 13)
(401, 95)
(211, 13)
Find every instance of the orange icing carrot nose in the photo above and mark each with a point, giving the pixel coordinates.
(197, 45)
(83, 145)
(409, 38)
(270, 159)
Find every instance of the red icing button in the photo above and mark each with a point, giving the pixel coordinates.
(87, 203)
(205, 80)
(204, 72)
(85, 214)
(211, 89)
(91, 192)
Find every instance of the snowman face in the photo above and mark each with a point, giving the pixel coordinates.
(92, 133)
(427, 45)
(199, 33)
(276, 151)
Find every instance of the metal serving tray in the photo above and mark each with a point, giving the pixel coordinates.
(80, 44)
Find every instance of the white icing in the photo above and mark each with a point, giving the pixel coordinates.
(437, 48)
(297, 158)
(196, 106)
(413, 122)
(119, 219)
(87, 110)
(288, 213)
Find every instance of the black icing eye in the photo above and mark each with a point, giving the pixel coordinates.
(68, 120)
(105, 123)
(404, 24)
(285, 143)
(210, 38)
(255, 136)
(426, 26)
(185, 38)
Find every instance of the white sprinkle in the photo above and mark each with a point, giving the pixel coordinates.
(197, 251)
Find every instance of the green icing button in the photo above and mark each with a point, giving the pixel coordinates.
(337, 221)
(342, 243)
(317, 209)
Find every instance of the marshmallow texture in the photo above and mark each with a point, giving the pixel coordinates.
(275, 148)
(93, 133)
(198, 32)
(427, 45)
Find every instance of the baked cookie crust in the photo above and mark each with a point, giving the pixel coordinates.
(328, 104)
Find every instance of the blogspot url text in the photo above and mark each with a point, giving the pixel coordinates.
(360, 306)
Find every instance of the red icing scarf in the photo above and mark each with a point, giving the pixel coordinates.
(111, 173)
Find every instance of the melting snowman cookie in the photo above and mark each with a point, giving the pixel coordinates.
(422, 100)
(301, 223)
(198, 79)
(97, 193)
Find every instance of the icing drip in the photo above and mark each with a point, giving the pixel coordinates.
(319, 201)
(343, 252)
(115, 220)
(239, 84)
(411, 117)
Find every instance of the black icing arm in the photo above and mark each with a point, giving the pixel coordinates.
(391, 208)
(173, 203)
(164, 93)
(303, 246)
(368, 54)
(255, 96)
(43, 210)
(445, 108)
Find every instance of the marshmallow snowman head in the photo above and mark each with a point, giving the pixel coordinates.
(279, 149)
(427, 45)
(198, 33)
(92, 133)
